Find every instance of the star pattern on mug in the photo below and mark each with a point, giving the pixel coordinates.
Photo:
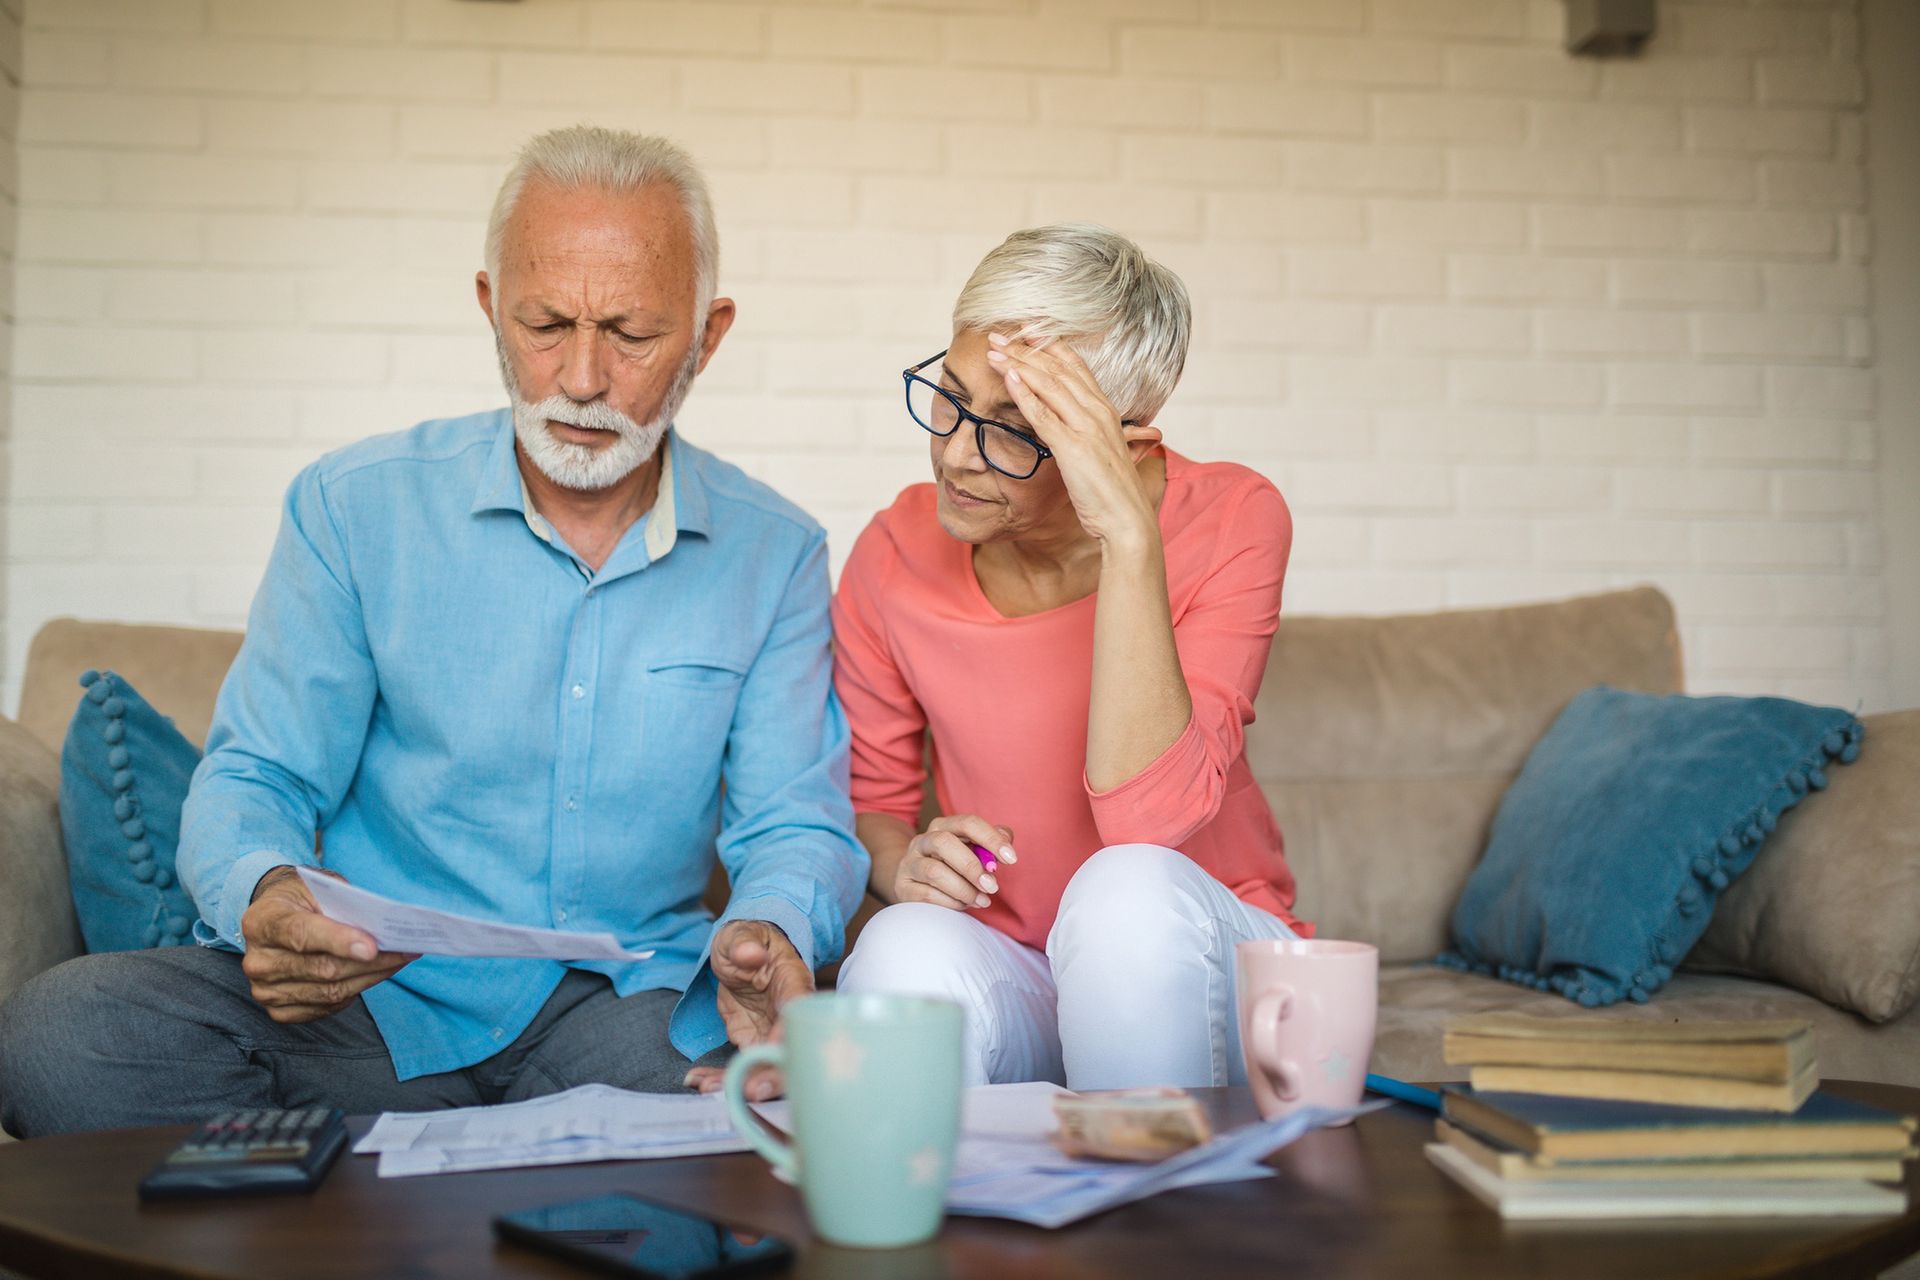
(844, 1058)
(923, 1166)
(1336, 1065)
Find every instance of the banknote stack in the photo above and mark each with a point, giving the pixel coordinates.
(1139, 1125)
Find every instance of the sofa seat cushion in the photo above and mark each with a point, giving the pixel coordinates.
(1418, 1002)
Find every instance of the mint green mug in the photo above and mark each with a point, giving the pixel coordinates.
(874, 1082)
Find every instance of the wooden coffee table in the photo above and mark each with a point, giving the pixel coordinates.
(1358, 1201)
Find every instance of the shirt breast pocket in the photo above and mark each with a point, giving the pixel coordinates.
(689, 709)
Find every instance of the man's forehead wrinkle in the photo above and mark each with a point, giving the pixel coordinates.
(604, 284)
(596, 298)
(603, 255)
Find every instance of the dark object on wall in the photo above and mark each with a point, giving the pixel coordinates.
(1608, 28)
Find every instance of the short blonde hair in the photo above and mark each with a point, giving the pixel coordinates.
(586, 157)
(1127, 316)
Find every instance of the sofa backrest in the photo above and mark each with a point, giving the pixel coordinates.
(1384, 744)
(37, 925)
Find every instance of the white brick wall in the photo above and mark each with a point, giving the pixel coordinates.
(1503, 324)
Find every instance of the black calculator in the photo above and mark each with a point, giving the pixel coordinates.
(250, 1153)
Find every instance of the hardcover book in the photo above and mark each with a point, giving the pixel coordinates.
(1775, 1051)
(1650, 1086)
(1604, 1129)
(1504, 1162)
(1732, 1198)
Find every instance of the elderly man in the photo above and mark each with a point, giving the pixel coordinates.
(502, 665)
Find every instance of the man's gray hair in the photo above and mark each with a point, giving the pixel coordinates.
(585, 157)
(1126, 315)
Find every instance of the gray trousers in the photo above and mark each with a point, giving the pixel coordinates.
(173, 1036)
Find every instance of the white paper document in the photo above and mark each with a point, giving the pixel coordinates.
(1006, 1165)
(400, 926)
(1010, 1178)
(592, 1122)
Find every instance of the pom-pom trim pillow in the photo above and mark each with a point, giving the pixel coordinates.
(124, 772)
(1629, 817)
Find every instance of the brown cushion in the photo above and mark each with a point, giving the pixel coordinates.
(1832, 904)
(37, 925)
(177, 669)
(1385, 743)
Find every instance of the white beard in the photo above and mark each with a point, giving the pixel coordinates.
(584, 467)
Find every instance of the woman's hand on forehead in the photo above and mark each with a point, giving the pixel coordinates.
(1052, 387)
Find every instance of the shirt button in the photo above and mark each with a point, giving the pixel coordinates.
(579, 691)
(499, 1033)
(561, 916)
(572, 804)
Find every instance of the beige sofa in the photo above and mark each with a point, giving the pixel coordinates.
(1384, 745)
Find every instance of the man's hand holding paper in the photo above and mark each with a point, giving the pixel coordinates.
(300, 964)
(399, 927)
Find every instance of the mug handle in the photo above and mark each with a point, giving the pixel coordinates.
(1271, 1009)
(776, 1153)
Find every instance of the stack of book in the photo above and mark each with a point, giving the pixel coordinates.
(1591, 1118)
(1750, 1066)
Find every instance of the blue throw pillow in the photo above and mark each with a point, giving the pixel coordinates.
(123, 778)
(1630, 816)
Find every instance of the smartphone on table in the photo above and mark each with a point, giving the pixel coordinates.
(624, 1235)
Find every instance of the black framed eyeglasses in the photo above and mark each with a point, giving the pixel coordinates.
(1010, 451)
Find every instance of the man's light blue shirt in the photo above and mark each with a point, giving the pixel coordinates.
(474, 721)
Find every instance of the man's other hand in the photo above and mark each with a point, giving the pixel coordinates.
(758, 971)
(301, 965)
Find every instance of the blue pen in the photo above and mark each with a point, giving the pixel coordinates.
(1401, 1091)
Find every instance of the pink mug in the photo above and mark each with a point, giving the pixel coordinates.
(1307, 1011)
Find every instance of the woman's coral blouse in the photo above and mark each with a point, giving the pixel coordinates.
(917, 645)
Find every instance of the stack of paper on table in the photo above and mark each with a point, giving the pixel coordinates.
(1006, 1166)
(592, 1122)
(1015, 1171)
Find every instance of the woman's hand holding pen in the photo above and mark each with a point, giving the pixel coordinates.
(942, 866)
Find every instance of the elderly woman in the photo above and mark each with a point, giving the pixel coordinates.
(1081, 617)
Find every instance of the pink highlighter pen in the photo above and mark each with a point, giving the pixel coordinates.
(985, 855)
